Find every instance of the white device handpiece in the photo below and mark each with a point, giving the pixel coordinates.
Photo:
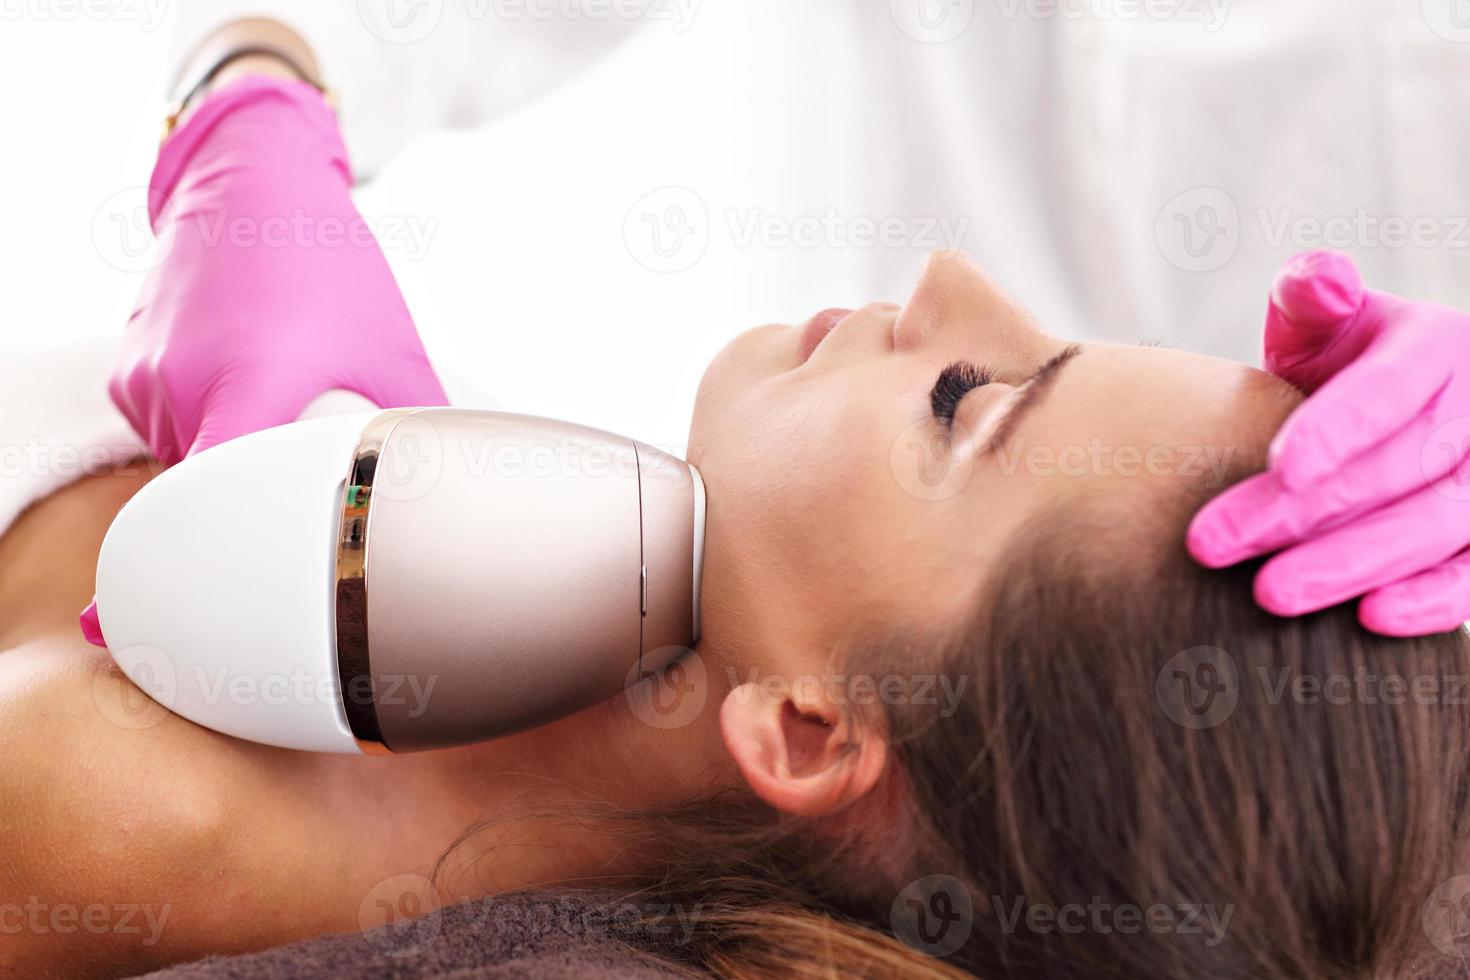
(404, 579)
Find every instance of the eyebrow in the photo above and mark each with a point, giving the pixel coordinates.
(1033, 392)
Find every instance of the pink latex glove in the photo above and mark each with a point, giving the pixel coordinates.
(272, 290)
(1368, 485)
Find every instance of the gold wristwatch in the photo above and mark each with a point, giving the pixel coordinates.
(191, 86)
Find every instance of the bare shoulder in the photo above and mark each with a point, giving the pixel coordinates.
(131, 839)
(115, 818)
(176, 842)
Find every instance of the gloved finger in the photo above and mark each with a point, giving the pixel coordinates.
(240, 407)
(1394, 542)
(409, 383)
(91, 626)
(1361, 405)
(1314, 302)
(1433, 601)
(133, 388)
(1260, 515)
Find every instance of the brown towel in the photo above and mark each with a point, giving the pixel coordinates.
(532, 936)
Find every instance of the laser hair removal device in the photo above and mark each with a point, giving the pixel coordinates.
(404, 579)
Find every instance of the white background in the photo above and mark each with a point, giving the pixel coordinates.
(1076, 147)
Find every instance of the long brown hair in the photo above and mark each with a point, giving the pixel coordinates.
(1147, 776)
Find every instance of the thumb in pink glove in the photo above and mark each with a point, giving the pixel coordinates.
(1368, 484)
(272, 289)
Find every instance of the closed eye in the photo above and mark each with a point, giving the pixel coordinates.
(954, 383)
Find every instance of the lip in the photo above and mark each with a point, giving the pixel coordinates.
(817, 328)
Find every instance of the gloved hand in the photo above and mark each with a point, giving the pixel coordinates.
(272, 290)
(1368, 482)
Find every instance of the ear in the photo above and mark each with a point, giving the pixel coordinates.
(802, 755)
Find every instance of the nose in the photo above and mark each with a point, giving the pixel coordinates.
(952, 288)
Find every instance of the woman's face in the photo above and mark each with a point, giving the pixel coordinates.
(866, 468)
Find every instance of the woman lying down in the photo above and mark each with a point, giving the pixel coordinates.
(963, 704)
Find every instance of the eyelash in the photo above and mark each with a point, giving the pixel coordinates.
(955, 382)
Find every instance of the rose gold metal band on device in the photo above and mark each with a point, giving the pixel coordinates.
(354, 665)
